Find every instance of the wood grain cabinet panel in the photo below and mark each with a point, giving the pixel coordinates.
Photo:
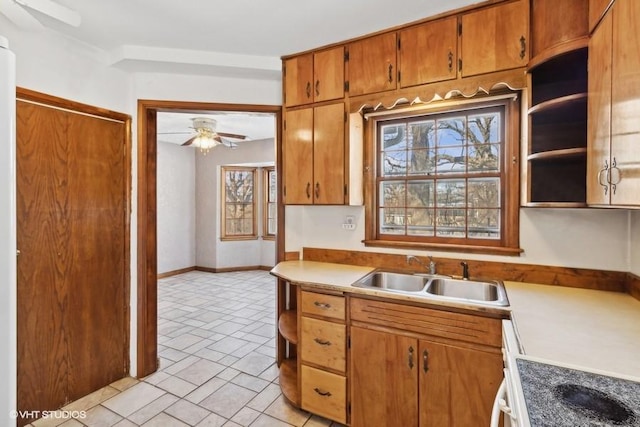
(614, 97)
(597, 9)
(314, 155)
(495, 38)
(323, 343)
(372, 64)
(429, 52)
(314, 77)
(323, 305)
(324, 393)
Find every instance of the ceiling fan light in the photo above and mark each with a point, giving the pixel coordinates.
(205, 143)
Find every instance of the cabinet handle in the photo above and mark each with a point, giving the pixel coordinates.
(605, 185)
(308, 190)
(450, 61)
(322, 392)
(614, 166)
(425, 361)
(308, 89)
(317, 87)
(322, 305)
(410, 357)
(523, 47)
(390, 73)
(322, 342)
(317, 190)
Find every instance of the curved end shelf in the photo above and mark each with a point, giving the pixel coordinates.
(289, 381)
(558, 50)
(559, 154)
(554, 104)
(288, 326)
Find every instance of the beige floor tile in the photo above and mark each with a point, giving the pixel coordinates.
(133, 399)
(267, 421)
(265, 398)
(213, 420)
(125, 423)
(100, 416)
(283, 411)
(250, 382)
(245, 416)
(164, 420)
(316, 421)
(187, 412)
(124, 383)
(205, 390)
(200, 372)
(93, 399)
(72, 423)
(254, 363)
(143, 415)
(177, 386)
(228, 400)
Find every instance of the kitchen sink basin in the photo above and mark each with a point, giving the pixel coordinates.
(390, 281)
(469, 290)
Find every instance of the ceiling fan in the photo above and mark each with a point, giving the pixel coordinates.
(207, 136)
(20, 13)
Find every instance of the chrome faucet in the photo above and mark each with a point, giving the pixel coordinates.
(431, 267)
(465, 270)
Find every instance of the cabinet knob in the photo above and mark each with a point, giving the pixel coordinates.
(450, 61)
(308, 91)
(523, 47)
(317, 190)
(390, 73)
(308, 190)
(317, 87)
(321, 341)
(322, 392)
(410, 357)
(322, 305)
(425, 361)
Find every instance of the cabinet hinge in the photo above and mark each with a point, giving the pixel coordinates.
(345, 117)
(399, 76)
(460, 28)
(346, 55)
(460, 65)
(399, 43)
(346, 86)
(345, 189)
(349, 342)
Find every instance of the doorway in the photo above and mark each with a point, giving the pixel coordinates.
(147, 214)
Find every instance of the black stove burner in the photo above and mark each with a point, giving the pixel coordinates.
(594, 402)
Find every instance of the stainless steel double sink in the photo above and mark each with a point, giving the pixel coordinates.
(489, 292)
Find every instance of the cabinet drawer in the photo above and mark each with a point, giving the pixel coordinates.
(323, 305)
(324, 393)
(323, 343)
(457, 326)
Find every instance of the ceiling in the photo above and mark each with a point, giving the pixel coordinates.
(234, 38)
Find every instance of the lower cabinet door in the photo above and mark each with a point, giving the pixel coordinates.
(324, 393)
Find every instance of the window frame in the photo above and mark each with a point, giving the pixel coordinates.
(223, 204)
(266, 194)
(508, 244)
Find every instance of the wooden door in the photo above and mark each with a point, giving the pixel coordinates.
(298, 77)
(599, 114)
(298, 157)
(555, 22)
(495, 38)
(435, 40)
(328, 71)
(457, 385)
(384, 375)
(72, 292)
(328, 155)
(625, 104)
(372, 64)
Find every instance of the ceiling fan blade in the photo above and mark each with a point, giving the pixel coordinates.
(174, 133)
(54, 10)
(189, 141)
(232, 135)
(19, 16)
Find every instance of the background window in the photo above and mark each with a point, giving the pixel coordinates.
(238, 207)
(270, 208)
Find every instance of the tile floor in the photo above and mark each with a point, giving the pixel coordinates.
(217, 362)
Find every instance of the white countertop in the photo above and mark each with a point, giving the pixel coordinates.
(595, 330)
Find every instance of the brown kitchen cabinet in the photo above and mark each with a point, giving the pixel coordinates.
(495, 38)
(613, 170)
(314, 77)
(372, 64)
(314, 155)
(597, 9)
(428, 52)
(438, 377)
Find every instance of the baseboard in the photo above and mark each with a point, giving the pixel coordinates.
(231, 269)
(176, 272)
(614, 281)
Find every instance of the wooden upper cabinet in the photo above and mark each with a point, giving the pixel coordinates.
(554, 23)
(298, 78)
(597, 8)
(372, 64)
(328, 154)
(314, 77)
(625, 104)
(429, 52)
(298, 157)
(495, 38)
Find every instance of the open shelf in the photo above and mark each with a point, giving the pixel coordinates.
(289, 380)
(288, 326)
(552, 105)
(556, 154)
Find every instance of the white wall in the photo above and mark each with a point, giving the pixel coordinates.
(176, 209)
(211, 251)
(634, 243)
(580, 238)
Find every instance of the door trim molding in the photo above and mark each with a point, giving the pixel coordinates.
(147, 284)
